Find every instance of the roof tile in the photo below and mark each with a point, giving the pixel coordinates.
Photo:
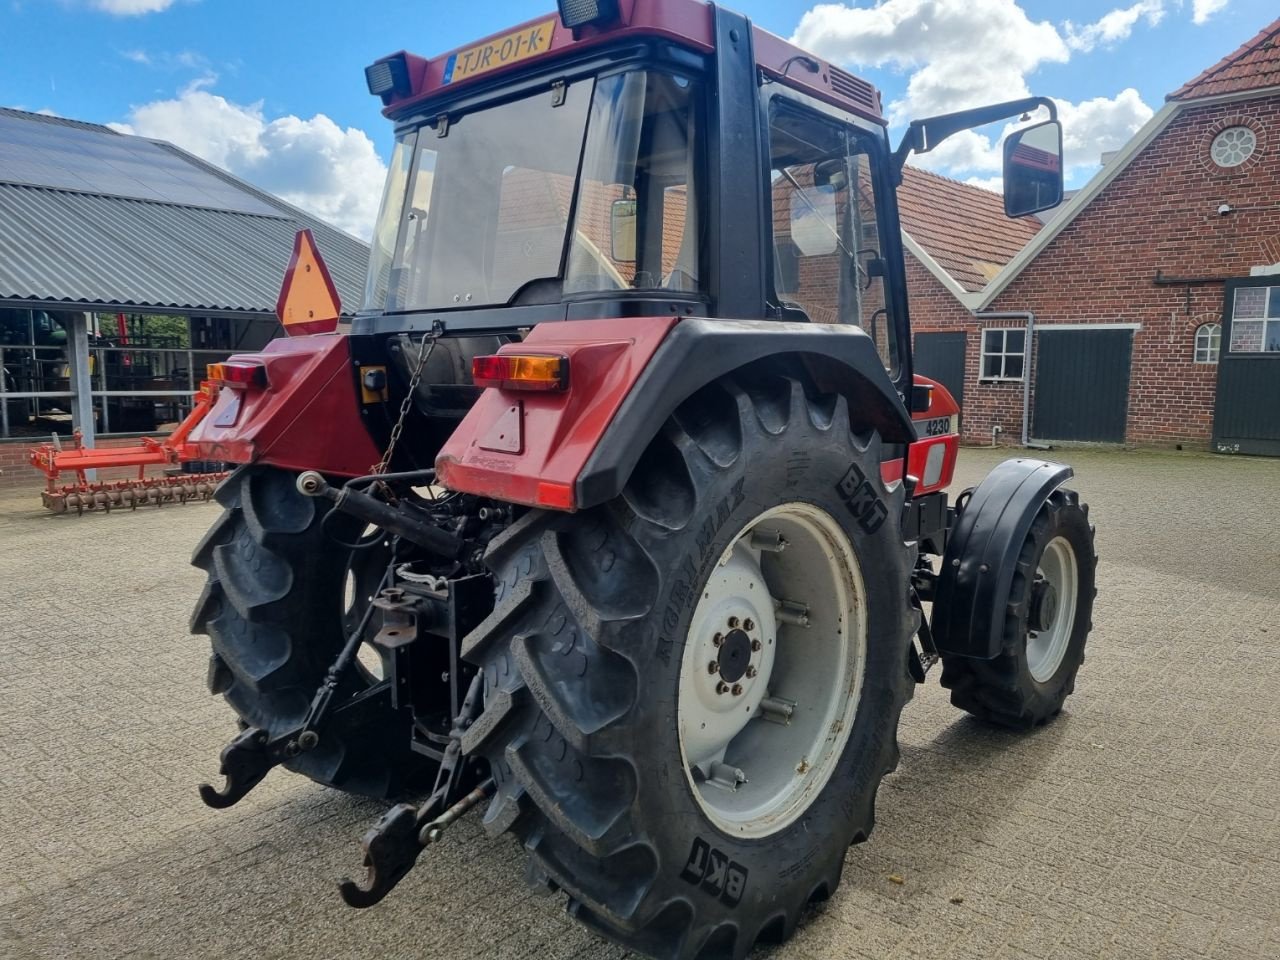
(1254, 66)
(963, 227)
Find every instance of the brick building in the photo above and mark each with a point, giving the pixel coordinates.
(1155, 290)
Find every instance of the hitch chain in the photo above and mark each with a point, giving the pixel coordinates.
(393, 844)
(247, 759)
(425, 349)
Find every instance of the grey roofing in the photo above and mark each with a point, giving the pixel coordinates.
(89, 216)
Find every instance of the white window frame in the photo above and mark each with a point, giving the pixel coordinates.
(1004, 353)
(1266, 320)
(1208, 343)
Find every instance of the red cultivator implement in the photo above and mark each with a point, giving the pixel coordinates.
(170, 452)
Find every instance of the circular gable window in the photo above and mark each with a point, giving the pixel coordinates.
(1233, 146)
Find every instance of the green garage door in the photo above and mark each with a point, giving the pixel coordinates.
(940, 357)
(1082, 384)
(1246, 415)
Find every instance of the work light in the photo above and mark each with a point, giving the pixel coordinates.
(388, 78)
(579, 13)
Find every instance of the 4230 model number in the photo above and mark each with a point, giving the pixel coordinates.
(937, 427)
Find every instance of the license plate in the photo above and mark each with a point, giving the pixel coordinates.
(937, 427)
(500, 52)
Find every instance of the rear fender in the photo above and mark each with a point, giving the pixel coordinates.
(577, 449)
(840, 359)
(307, 417)
(977, 569)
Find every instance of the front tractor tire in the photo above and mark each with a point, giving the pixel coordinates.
(687, 725)
(1047, 618)
(279, 600)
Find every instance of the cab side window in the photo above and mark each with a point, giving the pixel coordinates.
(827, 266)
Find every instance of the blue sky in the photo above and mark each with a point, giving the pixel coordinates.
(274, 90)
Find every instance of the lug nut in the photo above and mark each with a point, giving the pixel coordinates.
(755, 646)
(722, 687)
(733, 623)
(737, 689)
(751, 673)
(713, 667)
(748, 624)
(717, 639)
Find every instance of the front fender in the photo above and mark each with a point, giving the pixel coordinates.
(969, 606)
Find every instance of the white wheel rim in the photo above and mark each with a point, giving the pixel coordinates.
(1046, 648)
(752, 768)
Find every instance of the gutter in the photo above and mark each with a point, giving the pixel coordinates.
(1030, 318)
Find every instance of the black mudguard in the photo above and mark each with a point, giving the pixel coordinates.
(838, 358)
(977, 569)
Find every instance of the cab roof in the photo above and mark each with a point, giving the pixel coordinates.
(689, 23)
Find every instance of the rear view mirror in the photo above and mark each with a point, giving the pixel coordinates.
(1033, 169)
(622, 231)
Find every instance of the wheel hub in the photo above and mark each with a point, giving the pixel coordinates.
(1044, 605)
(735, 656)
(772, 670)
(1051, 613)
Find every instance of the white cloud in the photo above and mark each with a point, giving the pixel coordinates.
(1202, 10)
(962, 53)
(132, 8)
(164, 60)
(992, 184)
(1113, 27)
(1089, 129)
(966, 53)
(1093, 127)
(331, 172)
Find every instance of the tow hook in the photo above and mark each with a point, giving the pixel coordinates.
(250, 757)
(392, 846)
(247, 759)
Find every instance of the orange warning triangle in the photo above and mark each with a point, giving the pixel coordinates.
(308, 299)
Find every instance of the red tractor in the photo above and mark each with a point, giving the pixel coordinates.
(618, 510)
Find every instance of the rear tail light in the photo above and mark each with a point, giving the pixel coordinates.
(510, 371)
(238, 374)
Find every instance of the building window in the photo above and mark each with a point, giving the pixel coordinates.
(1233, 146)
(1255, 320)
(1208, 338)
(1003, 354)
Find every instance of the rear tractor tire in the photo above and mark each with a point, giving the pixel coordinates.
(692, 692)
(280, 599)
(1047, 620)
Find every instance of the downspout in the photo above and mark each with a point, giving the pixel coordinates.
(1030, 319)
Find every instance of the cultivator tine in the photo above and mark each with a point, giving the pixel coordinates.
(157, 491)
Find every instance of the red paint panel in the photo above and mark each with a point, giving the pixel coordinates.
(560, 430)
(941, 404)
(308, 417)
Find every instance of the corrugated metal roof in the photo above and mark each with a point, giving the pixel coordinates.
(84, 246)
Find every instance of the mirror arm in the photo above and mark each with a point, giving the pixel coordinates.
(923, 135)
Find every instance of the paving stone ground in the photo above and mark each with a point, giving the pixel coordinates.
(1143, 823)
